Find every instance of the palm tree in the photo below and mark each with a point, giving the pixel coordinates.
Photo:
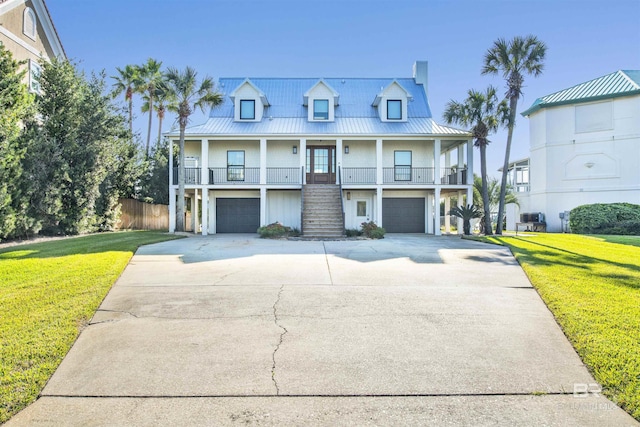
(483, 113)
(150, 77)
(163, 102)
(467, 213)
(189, 94)
(521, 55)
(125, 82)
(493, 191)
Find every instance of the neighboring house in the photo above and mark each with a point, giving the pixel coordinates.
(584, 148)
(321, 155)
(27, 31)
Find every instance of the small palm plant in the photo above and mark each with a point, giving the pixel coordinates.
(467, 213)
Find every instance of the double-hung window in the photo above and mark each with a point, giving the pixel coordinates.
(402, 165)
(235, 165)
(247, 109)
(394, 109)
(320, 109)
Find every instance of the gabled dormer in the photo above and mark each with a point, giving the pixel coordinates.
(249, 102)
(321, 101)
(392, 103)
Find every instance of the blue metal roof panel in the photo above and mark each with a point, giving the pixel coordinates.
(350, 126)
(285, 96)
(620, 83)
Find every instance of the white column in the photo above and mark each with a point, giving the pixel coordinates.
(263, 206)
(379, 171)
(172, 207)
(436, 211)
(470, 195)
(338, 157)
(194, 211)
(460, 223)
(460, 164)
(379, 206)
(205, 211)
(447, 218)
(204, 163)
(436, 162)
(172, 193)
(470, 167)
(303, 158)
(263, 161)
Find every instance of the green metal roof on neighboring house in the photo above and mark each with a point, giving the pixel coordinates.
(619, 83)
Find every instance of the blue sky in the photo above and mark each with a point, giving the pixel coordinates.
(357, 38)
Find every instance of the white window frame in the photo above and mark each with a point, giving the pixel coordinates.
(28, 17)
(35, 71)
(401, 108)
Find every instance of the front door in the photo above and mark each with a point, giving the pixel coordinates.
(321, 165)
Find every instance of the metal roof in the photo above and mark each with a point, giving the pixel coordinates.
(619, 83)
(346, 126)
(286, 96)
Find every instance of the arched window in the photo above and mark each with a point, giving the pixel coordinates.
(29, 23)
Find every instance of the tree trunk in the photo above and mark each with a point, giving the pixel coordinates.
(131, 117)
(150, 120)
(513, 102)
(180, 204)
(159, 130)
(485, 191)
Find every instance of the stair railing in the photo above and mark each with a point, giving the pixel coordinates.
(341, 198)
(302, 200)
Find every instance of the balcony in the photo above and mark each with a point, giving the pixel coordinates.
(240, 175)
(191, 176)
(404, 175)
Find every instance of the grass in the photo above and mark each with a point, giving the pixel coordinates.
(48, 292)
(592, 286)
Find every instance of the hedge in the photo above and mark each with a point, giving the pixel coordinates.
(603, 218)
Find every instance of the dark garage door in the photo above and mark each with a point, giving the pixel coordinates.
(400, 215)
(237, 215)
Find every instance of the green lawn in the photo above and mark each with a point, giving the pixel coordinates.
(592, 286)
(48, 292)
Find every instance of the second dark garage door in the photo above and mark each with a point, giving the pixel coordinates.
(237, 215)
(403, 215)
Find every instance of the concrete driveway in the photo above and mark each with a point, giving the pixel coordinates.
(412, 329)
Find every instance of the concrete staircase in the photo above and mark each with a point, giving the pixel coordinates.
(322, 214)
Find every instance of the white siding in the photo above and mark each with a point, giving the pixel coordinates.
(284, 207)
(280, 154)
(218, 152)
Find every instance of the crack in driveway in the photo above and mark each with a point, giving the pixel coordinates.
(284, 332)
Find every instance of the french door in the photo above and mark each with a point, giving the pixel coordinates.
(321, 165)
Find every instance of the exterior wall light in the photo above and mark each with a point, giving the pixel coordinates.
(348, 195)
(295, 149)
(346, 149)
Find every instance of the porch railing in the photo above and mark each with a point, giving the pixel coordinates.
(408, 175)
(283, 176)
(234, 175)
(191, 176)
(453, 176)
(358, 175)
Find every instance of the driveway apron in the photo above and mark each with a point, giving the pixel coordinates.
(411, 329)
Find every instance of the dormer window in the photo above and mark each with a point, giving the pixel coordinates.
(249, 102)
(394, 109)
(321, 102)
(320, 109)
(392, 103)
(247, 109)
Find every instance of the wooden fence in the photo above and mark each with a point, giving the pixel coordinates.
(138, 215)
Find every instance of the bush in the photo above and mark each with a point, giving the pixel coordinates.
(277, 230)
(352, 232)
(601, 218)
(372, 231)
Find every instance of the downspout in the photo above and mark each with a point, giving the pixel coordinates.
(341, 197)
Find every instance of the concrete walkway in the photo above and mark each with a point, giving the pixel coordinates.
(410, 330)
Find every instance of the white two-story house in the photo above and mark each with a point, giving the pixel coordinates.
(584, 149)
(322, 155)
